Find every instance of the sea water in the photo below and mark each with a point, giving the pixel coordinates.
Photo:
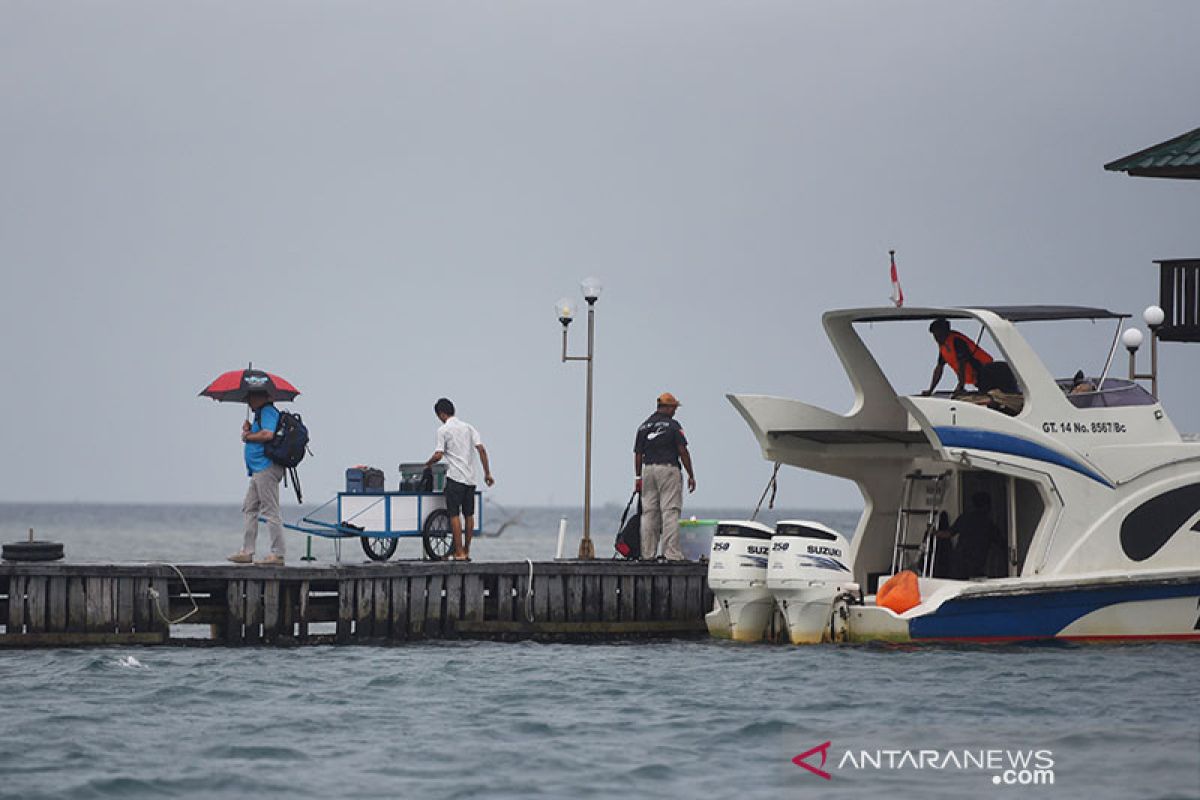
(666, 719)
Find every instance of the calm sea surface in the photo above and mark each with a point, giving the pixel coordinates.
(658, 720)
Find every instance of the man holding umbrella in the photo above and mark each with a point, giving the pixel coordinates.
(262, 496)
(259, 390)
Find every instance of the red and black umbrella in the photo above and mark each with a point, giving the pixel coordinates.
(235, 386)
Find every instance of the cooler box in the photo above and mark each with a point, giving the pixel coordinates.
(695, 538)
(410, 477)
(364, 480)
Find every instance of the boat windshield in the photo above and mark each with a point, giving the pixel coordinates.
(1074, 351)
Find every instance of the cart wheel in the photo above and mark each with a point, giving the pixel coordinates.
(436, 535)
(378, 549)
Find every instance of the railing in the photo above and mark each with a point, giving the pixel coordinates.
(1179, 297)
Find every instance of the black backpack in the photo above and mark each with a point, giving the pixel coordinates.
(629, 536)
(290, 444)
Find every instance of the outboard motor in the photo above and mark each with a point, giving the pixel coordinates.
(809, 569)
(737, 576)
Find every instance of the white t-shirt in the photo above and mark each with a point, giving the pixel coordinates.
(457, 441)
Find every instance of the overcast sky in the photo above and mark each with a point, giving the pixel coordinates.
(382, 201)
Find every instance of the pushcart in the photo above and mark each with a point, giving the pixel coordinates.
(380, 520)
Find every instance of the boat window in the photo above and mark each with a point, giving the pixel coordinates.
(1116, 392)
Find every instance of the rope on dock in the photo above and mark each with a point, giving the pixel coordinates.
(155, 596)
(529, 592)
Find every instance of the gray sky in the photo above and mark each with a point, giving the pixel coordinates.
(381, 201)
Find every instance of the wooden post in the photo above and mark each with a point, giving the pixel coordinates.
(235, 612)
(399, 615)
(416, 606)
(76, 604)
(380, 588)
(345, 619)
(628, 609)
(302, 600)
(16, 605)
(35, 610)
(57, 619)
(271, 611)
(609, 609)
(473, 599)
(125, 604)
(434, 605)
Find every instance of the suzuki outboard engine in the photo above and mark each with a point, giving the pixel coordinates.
(809, 569)
(737, 576)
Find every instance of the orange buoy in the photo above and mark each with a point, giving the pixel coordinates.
(900, 593)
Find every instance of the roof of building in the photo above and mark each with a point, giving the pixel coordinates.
(1174, 158)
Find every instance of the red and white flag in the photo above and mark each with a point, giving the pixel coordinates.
(897, 292)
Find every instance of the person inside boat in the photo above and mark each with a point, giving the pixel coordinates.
(970, 362)
(976, 535)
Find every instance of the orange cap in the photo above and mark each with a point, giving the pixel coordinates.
(667, 399)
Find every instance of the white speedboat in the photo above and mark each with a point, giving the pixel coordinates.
(1095, 496)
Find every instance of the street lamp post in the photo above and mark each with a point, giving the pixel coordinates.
(1132, 339)
(566, 311)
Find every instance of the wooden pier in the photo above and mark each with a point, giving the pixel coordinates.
(67, 605)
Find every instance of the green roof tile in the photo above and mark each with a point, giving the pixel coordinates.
(1174, 158)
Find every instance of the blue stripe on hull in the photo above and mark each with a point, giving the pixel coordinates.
(1032, 616)
(979, 439)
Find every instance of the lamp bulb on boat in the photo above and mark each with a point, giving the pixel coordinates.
(1154, 316)
(1132, 339)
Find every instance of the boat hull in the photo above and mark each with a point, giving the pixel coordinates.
(1134, 610)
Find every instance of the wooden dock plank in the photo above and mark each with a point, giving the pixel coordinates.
(609, 600)
(399, 614)
(235, 605)
(679, 597)
(628, 609)
(35, 607)
(141, 604)
(416, 606)
(662, 597)
(454, 599)
(434, 605)
(345, 617)
(125, 604)
(643, 597)
(270, 594)
(541, 596)
(473, 599)
(574, 597)
(592, 601)
(364, 609)
(76, 604)
(56, 613)
(302, 610)
(16, 605)
(557, 599)
(504, 597)
(380, 588)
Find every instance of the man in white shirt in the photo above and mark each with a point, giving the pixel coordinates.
(456, 441)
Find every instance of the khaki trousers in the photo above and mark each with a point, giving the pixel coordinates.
(662, 501)
(262, 498)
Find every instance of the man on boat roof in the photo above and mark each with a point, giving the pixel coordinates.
(970, 362)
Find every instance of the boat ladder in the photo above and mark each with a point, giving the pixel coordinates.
(920, 504)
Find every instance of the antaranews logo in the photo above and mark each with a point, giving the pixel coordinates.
(1007, 767)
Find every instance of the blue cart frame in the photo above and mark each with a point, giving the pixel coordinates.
(380, 519)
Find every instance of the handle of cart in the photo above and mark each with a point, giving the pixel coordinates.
(380, 520)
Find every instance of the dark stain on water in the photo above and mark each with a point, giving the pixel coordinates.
(655, 720)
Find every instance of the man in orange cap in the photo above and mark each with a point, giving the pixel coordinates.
(658, 450)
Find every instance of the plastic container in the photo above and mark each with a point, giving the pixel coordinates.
(695, 538)
(410, 476)
(364, 480)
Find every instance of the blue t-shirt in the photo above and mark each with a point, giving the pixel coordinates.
(256, 459)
